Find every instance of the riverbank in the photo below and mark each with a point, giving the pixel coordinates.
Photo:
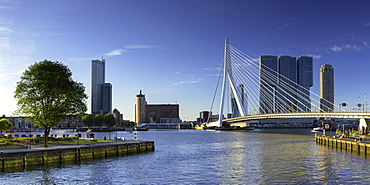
(61, 153)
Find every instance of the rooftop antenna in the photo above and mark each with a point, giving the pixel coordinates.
(102, 58)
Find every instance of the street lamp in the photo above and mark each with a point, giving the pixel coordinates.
(343, 105)
(365, 108)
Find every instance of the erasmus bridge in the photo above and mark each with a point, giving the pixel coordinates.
(246, 91)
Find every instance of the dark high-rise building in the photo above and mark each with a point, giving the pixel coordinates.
(305, 81)
(287, 88)
(101, 92)
(326, 88)
(268, 83)
(285, 84)
(107, 98)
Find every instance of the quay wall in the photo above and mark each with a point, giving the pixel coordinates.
(343, 144)
(76, 153)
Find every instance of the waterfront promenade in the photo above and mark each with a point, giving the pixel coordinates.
(60, 153)
(360, 146)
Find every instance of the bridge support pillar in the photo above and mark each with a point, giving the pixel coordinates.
(364, 126)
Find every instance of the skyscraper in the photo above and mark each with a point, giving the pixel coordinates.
(285, 84)
(268, 83)
(107, 98)
(305, 81)
(326, 88)
(287, 88)
(101, 92)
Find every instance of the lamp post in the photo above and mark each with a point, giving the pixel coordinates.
(30, 135)
(78, 133)
(365, 108)
(342, 105)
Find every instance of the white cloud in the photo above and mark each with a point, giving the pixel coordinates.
(355, 47)
(138, 46)
(212, 68)
(277, 28)
(213, 74)
(6, 7)
(187, 82)
(5, 29)
(118, 51)
(115, 52)
(282, 27)
(366, 24)
(315, 56)
(11, 74)
(78, 60)
(336, 48)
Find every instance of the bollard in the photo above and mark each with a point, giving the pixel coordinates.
(135, 133)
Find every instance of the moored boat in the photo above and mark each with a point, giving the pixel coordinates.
(234, 128)
(198, 127)
(317, 129)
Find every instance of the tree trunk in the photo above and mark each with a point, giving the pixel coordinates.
(46, 136)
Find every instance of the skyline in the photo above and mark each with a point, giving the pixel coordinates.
(172, 50)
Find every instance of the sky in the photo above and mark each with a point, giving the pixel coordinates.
(172, 50)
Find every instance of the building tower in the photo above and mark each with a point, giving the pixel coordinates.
(101, 92)
(305, 81)
(140, 116)
(106, 98)
(268, 83)
(287, 88)
(285, 84)
(326, 88)
(97, 78)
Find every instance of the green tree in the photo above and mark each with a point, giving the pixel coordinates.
(98, 120)
(5, 124)
(47, 94)
(110, 120)
(88, 120)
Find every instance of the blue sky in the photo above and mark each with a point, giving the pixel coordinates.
(172, 49)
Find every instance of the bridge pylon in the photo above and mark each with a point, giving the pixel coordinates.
(237, 103)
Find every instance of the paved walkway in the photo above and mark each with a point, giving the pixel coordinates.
(40, 147)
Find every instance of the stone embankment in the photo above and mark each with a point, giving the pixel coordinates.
(356, 146)
(62, 153)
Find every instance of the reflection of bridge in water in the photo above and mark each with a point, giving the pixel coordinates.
(258, 92)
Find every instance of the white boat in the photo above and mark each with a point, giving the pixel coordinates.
(317, 129)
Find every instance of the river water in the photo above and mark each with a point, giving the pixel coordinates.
(210, 157)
